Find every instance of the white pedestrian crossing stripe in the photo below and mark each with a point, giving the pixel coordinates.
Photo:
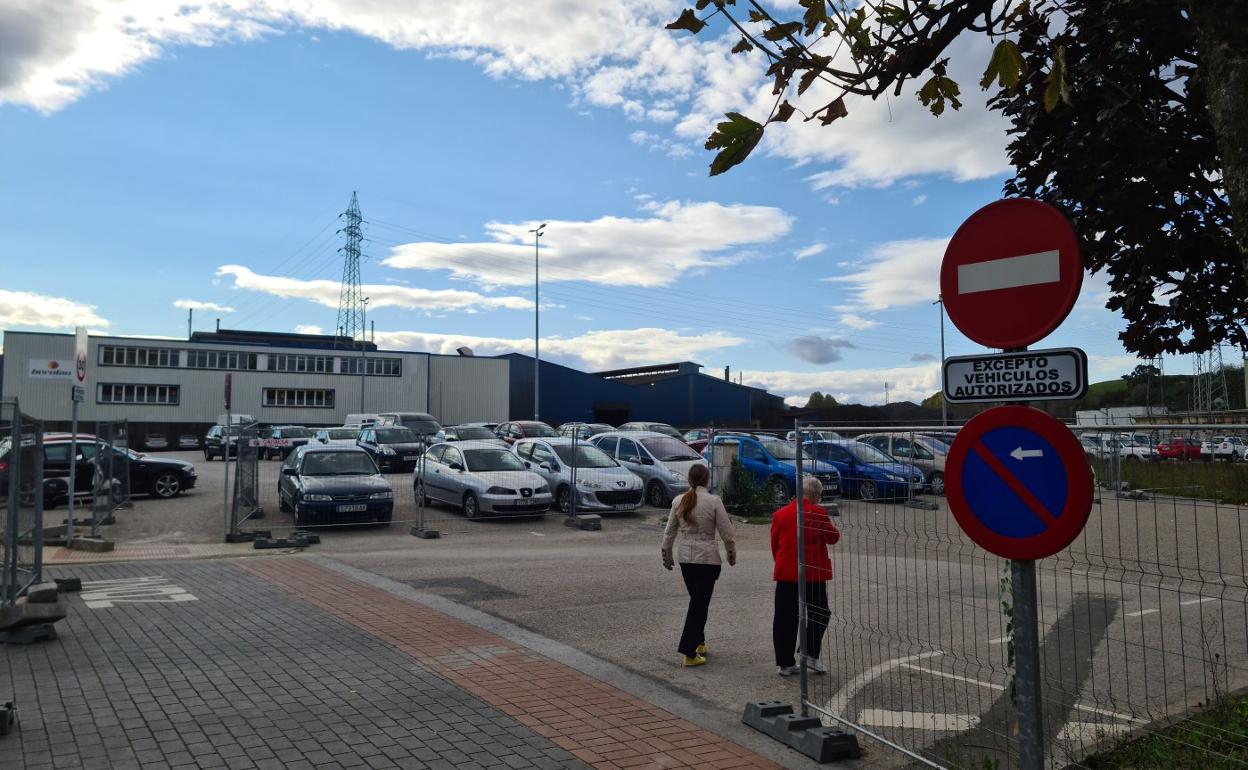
(102, 594)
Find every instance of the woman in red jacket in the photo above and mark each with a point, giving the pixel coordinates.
(818, 535)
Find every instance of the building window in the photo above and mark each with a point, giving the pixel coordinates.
(315, 398)
(220, 359)
(117, 355)
(289, 362)
(376, 367)
(121, 393)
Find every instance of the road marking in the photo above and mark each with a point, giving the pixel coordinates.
(999, 640)
(1010, 273)
(536, 534)
(838, 703)
(918, 720)
(1201, 600)
(149, 589)
(1141, 613)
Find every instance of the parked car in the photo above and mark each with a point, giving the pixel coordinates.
(333, 484)
(601, 483)
(867, 472)
(362, 419)
(481, 477)
(910, 448)
(583, 430)
(221, 441)
(660, 461)
(467, 433)
(162, 477)
(344, 436)
(281, 440)
(1231, 448)
(813, 435)
(155, 441)
(511, 432)
(54, 489)
(424, 425)
(1180, 448)
(653, 427)
(773, 464)
(1135, 447)
(188, 441)
(392, 447)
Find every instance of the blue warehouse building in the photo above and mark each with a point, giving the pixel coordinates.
(677, 393)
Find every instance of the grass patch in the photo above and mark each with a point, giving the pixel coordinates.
(1200, 479)
(1216, 739)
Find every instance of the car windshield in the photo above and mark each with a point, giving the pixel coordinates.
(482, 460)
(933, 444)
(421, 427)
(474, 433)
(341, 433)
(396, 436)
(865, 453)
(338, 464)
(296, 433)
(781, 450)
(666, 430)
(669, 449)
(538, 429)
(586, 456)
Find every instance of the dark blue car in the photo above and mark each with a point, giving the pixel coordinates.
(867, 472)
(333, 484)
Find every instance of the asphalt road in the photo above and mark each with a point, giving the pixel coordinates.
(1145, 615)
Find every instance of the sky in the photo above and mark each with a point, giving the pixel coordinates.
(159, 157)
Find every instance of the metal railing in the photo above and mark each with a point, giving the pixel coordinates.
(21, 469)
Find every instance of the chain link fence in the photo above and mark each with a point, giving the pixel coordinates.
(24, 492)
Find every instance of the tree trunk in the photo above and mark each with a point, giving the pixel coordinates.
(1222, 40)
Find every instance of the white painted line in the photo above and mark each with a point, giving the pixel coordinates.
(1201, 600)
(537, 534)
(840, 702)
(1085, 732)
(917, 720)
(1009, 273)
(999, 640)
(152, 589)
(1141, 613)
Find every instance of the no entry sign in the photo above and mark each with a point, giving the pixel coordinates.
(1011, 273)
(1018, 482)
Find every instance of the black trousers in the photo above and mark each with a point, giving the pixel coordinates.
(700, 582)
(784, 623)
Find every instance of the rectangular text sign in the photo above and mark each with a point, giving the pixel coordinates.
(1034, 375)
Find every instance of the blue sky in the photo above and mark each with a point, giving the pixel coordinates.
(159, 157)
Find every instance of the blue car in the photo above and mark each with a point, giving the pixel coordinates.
(773, 464)
(867, 472)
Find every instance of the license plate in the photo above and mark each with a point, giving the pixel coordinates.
(622, 507)
(353, 508)
(410, 458)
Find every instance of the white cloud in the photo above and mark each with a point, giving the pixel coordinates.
(812, 250)
(326, 292)
(897, 273)
(308, 329)
(864, 386)
(653, 250)
(26, 309)
(194, 304)
(594, 350)
(855, 321)
(920, 199)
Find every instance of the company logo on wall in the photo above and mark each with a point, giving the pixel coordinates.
(49, 369)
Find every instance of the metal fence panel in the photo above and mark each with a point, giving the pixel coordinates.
(21, 467)
(110, 484)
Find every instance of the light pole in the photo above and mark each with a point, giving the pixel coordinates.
(363, 350)
(944, 405)
(537, 323)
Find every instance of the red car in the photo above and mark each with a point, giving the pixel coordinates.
(1179, 449)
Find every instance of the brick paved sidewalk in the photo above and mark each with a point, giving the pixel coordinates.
(282, 663)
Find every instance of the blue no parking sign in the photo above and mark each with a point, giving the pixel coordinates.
(1018, 482)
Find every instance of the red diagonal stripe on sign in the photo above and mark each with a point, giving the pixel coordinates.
(1014, 484)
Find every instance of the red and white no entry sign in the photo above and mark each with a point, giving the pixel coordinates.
(1011, 273)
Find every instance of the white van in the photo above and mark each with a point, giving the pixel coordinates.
(362, 420)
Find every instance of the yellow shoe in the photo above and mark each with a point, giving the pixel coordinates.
(696, 660)
(702, 649)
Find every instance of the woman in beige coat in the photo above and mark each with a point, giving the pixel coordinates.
(698, 516)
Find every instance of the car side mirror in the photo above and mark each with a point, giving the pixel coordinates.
(647, 461)
(547, 467)
(456, 467)
(290, 471)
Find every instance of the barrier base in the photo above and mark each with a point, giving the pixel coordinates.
(590, 522)
(68, 585)
(39, 632)
(426, 534)
(91, 544)
(8, 718)
(804, 734)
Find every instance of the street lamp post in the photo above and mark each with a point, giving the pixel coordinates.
(537, 321)
(363, 350)
(944, 405)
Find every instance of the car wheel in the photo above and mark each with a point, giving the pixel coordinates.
(778, 491)
(656, 496)
(472, 508)
(867, 490)
(167, 485)
(937, 482)
(563, 500)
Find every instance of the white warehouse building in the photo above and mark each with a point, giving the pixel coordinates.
(174, 387)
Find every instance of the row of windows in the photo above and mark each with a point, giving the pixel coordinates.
(118, 355)
(118, 393)
(319, 398)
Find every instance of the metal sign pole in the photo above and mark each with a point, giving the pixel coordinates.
(1027, 665)
(73, 468)
(801, 575)
(225, 460)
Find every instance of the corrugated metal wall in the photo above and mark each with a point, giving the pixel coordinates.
(466, 389)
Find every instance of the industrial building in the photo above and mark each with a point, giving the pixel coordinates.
(676, 393)
(175, 387)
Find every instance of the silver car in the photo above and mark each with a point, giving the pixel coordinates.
(601, 484)
(480, 477)
(660, 461)
(344, 436)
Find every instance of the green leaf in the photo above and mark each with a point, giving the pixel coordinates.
(783, 112)
(939, 90)
(781, 31)
(735, 139)
(742, 46)
(1056, 88)
(1005, 66)
(688, 20)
